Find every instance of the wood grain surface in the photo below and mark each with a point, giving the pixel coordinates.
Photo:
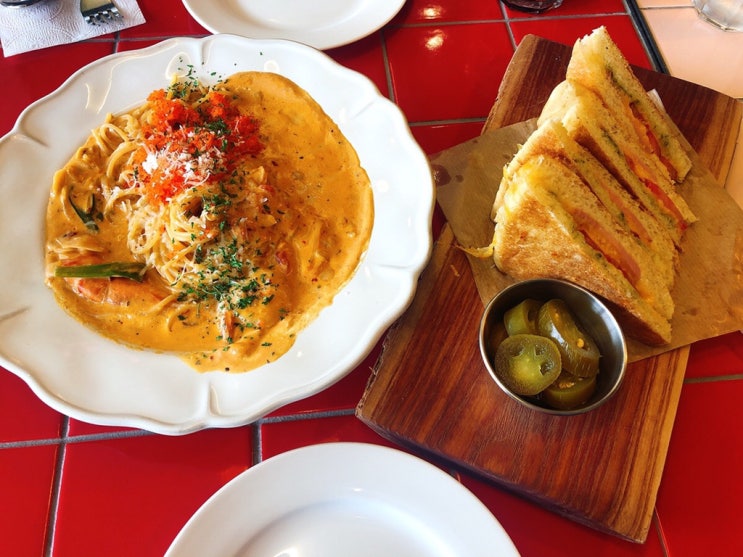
(431, 392)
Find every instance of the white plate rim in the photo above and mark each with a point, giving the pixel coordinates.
(215, 399)
(370, 16)
(350, 471)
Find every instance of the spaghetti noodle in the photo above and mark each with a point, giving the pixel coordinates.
(213, 222)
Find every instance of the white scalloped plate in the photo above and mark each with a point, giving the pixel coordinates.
(86, 376)
(322, 24)
(342, 499)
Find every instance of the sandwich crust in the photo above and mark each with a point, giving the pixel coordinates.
(597, 63)
(552, 139)
(593, 126)
(536, 236)
(590, 197)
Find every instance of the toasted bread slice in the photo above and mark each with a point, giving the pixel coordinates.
(598, 130)
(552, 139)
(598, 64)
(550, 224)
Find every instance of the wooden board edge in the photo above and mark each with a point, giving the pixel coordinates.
(403, 329)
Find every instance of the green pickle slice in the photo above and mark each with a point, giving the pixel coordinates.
(569, 392)
(527, 364)
(579, 352)
(522, 318)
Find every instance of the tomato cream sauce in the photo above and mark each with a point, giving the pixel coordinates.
(288, 221)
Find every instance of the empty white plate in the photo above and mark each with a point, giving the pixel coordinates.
(342, 499)
(322, 24)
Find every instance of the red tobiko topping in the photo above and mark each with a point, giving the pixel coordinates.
(186, 144)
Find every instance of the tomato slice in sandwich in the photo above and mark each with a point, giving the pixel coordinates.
(604, 241)
(644, 130)
(644, 174)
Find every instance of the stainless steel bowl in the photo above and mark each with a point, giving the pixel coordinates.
(591, 313)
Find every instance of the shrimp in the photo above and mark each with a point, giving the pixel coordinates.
(117, 291)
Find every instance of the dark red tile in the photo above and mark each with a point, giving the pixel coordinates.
(458, 68)
(716, 357)
(366, 57)
(568, 30)
(699, 501)
(422, 11)
(279, 437)
(344, 395)
(31, 75)
(538, 532)
(23, 415)
(26, 478)
(164, 18)
(125, 496)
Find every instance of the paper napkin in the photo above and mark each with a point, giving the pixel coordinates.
(54, 22)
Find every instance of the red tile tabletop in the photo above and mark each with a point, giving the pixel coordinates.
(68, 488)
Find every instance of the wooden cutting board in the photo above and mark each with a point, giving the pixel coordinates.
(431, 392)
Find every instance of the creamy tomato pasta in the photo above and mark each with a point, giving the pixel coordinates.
(212, 222)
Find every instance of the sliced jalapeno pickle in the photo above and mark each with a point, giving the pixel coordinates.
(527, 364)
(568, 391)
(522, 318)
(579, 352)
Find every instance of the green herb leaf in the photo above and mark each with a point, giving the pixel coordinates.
(86, 216)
